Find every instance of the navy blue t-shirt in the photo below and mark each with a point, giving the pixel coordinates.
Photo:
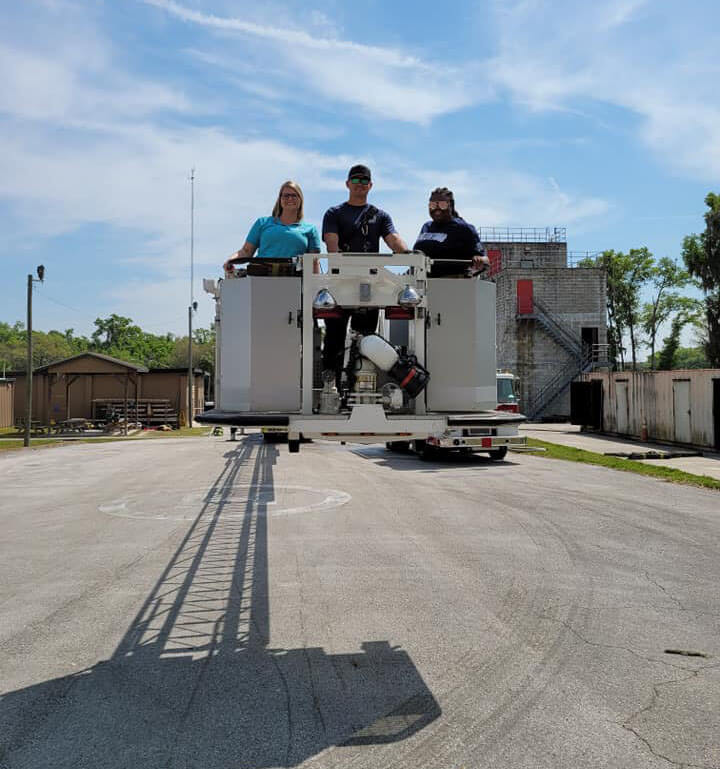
(358, 230)
(456, 239)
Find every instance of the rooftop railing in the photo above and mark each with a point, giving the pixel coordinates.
(575, 257)
(523, 234)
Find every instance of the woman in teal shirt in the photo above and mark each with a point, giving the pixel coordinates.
(282, 235)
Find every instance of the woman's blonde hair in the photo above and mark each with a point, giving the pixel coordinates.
(277, 208)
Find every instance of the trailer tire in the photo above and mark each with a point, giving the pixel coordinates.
(498, 454)
(400, 446)
(294, 446)
(274, 437)
(427, 451)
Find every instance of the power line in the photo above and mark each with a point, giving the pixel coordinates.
(62, 304)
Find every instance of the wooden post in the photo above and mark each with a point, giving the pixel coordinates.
(48, 399)
(69, 381)
(29, 366)
(127, 379)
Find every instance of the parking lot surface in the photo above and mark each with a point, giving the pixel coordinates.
(215, 604)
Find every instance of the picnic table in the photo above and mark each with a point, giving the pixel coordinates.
(36, 426)
(73, 425)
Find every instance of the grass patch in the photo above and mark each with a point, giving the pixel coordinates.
(569, 454)
(7, 444)
(183, 432)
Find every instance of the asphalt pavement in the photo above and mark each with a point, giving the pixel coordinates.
(213, 604)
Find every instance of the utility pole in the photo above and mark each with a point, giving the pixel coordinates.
(193, 303)
(29, 364)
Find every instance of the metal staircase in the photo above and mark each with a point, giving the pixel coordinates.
(560, 381)
(583, 358)
(562, 335)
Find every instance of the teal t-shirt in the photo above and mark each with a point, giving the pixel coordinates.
(275, 239)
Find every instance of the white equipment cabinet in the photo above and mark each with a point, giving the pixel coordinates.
(259, 349)
(461, 345)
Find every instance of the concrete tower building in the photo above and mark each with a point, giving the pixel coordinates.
(551, 316)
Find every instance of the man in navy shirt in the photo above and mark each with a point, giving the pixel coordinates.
(448, 236)
(355, 227)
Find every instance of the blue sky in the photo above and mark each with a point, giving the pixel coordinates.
(600, 117)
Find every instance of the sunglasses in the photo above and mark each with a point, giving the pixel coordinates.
(289, 195)
(443, 205)
(360, 180)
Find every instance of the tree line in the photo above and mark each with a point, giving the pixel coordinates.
(116, 336)
(637, 275)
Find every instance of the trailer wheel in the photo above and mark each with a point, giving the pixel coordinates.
(274, 437)
(497, 454)
(401, 446)
(427, 451)
(294, 446)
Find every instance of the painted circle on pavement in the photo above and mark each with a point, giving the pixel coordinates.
(236, 502)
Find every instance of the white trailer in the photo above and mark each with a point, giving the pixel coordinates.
(267, 348)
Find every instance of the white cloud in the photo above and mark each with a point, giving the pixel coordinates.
(385, 81)
(493, 197)
(646, 58)
(619, 12)
(63, 88)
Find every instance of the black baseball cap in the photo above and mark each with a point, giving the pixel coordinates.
(359, 170)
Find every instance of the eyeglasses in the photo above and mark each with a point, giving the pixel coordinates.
(360, 180)
(443, 205)
(290, 195)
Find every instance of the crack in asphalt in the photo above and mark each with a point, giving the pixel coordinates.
(315, 699)
(665, 590)
(626, 725)
(601, 644)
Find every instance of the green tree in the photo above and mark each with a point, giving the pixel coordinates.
(665, 275)
(688, 311)
(702, 258)
(203, 350)
(671, 344)
(115, 332)
(626, 275)
(121, 338)
(116, 336)
(608, 261)
(47, 347)
(637, 266)
(691, 357)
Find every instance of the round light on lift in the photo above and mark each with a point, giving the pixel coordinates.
(324, 300)
(408, 297)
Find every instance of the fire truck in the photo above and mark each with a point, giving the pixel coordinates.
(436, 391)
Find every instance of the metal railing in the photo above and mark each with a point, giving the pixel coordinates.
(523, 234)
(564, 336)
(575, 257)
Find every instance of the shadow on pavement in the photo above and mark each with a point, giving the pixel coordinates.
(409, 461)
(193, 682)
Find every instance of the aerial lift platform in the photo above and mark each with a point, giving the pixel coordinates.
(436, 392)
